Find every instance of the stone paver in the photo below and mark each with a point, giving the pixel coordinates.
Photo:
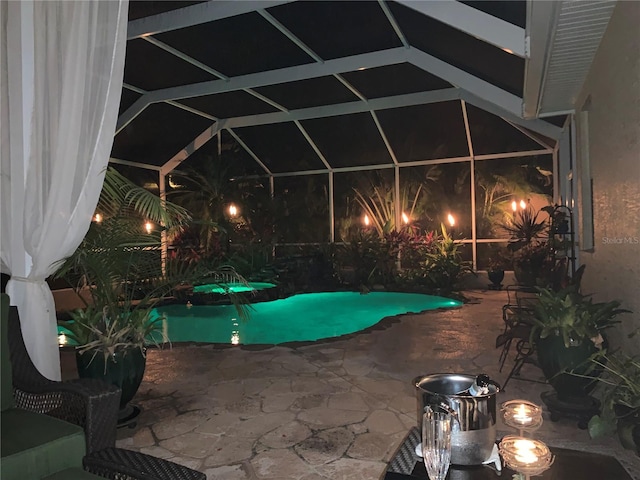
(332, 410)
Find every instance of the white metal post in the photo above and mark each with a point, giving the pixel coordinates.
(332, 218)
(163, 232)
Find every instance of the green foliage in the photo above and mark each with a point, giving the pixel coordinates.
(373, 259)
(377, 201)
(500, 259)
(499, 181)
(574, 317)
(525, 228)
(620, 399)
(119, 266)
(443, 266)
(108, 331)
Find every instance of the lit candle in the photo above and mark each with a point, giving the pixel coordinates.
(524, 444)
(525, 456)
(523, 414)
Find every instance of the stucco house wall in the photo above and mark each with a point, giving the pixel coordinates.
(612, 96)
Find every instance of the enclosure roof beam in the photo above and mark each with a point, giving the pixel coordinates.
(459, 78)
(415, 163)
(194, 15)
(346, 108)
(539, 126)
(528, 134)
(249, 151)
(129, 163)
(194, 145)
(526, 153)
(394, 23)
(467, 129)
(313, 145)
(384, 137)
(485, 27)
(283, 75)
(185, 57)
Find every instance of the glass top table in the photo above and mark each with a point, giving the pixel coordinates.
(568, 464)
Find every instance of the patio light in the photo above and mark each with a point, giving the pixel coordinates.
(405, 218)
(233, 210)
(523, 204)
(514, 206)
(451, 220)
(148, 226)
(366, 220)
(97, 218)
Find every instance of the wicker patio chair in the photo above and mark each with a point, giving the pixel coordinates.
(91, 404)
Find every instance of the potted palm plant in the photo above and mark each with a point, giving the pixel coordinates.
(498, 262)
(119, 265)
(529, 246)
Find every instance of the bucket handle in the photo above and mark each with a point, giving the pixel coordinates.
(495, 384)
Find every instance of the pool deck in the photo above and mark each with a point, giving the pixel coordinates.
(331, 410)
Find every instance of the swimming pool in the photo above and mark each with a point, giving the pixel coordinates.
(303, 317)
(221, 288)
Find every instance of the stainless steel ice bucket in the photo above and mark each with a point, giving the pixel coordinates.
(474, 434)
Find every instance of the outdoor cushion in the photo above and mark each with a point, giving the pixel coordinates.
(6, 388)
(72, 474)
(33, 445)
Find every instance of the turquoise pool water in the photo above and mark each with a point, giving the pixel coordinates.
(304, 317)
(233, 287)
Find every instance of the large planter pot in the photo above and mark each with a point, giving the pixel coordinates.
(628, 427)
(124, 369)
(525, 276)
(554, 358)
(495, 276)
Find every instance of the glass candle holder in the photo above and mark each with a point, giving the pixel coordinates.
(525, 455)
(521, 414)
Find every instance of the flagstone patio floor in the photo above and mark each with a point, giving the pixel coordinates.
(328, 410)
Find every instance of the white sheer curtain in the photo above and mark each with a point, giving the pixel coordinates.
(61, 65)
